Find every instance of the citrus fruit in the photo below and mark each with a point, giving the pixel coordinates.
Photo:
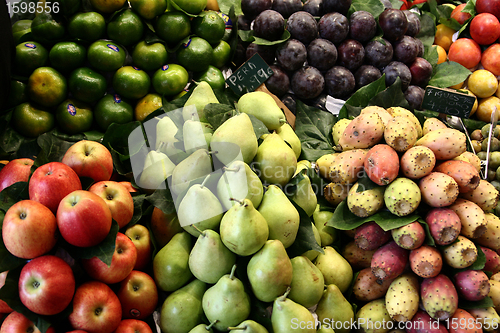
(486, 106)
(47, 87)
(126, 28)
(29, 56)
(149, 9)
(66, 56)
(149, 57)
(105, 55)
(466, 52)
(112, 109)
(146, 105)
(20, 29)
(74, 117)
(229, 26)
(195, 54)
(459, 85)
(458, 15)
(474, 107)
(170, 79)
(212, 5)
(482, 83)
(88, 26)
(87, 85)
(444, 36)
(30, 121)
(221, 54)
(17, 93)
(69, 7)
(46, 29)
(191, 6)
(107, 6)
(131, 82)
(442, 56)
(173, 26)
(213, 76)
(209, 26)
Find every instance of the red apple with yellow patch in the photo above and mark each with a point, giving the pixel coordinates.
(139, 235)
(4, 307)
(17, 170)
(133, 326)
(138, 295)
(16, 322)
(90, 159)
(118, 199)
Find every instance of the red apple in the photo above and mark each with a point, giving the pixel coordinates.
(51, 182)
(164, 226)
(489, 59)
(129, 186)
(96, 308)
(46, 285)
(29, 229)
(139, 235)
(77, 331)
(484, 28)
(83, 218)
(4, 307)
(16, 322)
(138, 295)
(488, 6)
(89, 159)
(133, 326)
(118, 199)
(17, 170)
(122, 263)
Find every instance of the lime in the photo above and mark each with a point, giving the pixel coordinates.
(195, 54)
(112, 109)
(149, 57)
(221, 55)
(17, 93)
(69, 7)
(229, 26)
(46, 29)
(74, 117)
(209, 26)
(87, 85)
(66, 56)
(126, 28)
(88, 26)
(29, 56)
(191, 6)
(30, 121)
(149, 9)
(170, 79)
(107, 6)
(173, 26)
(146, 105)
(19, 29)
(131, 82)
(213, 76)
(106, 55)
(47, 87)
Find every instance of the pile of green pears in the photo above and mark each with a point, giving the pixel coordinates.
(238, 217)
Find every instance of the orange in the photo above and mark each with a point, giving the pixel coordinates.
(213, 76)
(149, 57)
(112, 109)
(131, 82)
(105, 55)
(149, 9)
(443, 36)
(29, 56)
(126, 28)
(170, 79)
(87, 85)
(17, 93)
(46, 29)
(107, 6)
(486, 106)
(87, 26)
(47, 87)
(146, 105)
(195, 54)
(442, 56)
(209, 26)
(482, 83)
(31, 121)
(191, 6)
(67, 56)
(74, 117)
(20, 30)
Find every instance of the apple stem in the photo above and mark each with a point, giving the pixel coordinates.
(209, 327)
(233, 270)
(202, 233)
(205, 180)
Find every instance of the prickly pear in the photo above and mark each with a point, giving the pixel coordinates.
(389, 261)
(467, 323)
(370, 236)
(339, 128)
(357, 257)
(485, 195)
(439, 296)
(461, 253)
(446, 143)
(400, 134)
(417, 162)
(464, 173)
(382, 164)
(372, 316)
(402, 297)
(323, 164)
(367, 287)
(410, 236)
(365, 202)
(397, 111)
(423, 323)
(492, 260)
(432, 124)
(347, 166)
(383, 114)
(471, 216)
(426, 261)
(472, 285)
(438, 189)
(487, 317)
(335, 193)
(444, 225)
(402, 196)
(470, 157)
(491, 237)
(364, 131)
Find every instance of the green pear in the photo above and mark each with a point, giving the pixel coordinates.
(226, 303)
(249, 326)
(240, 182)
(236, 135)
(166, 130)
(171, 263)
(182, 310)
(289, 136)
(328, 234)
(372, 316)
(210, 259)
(201, 96)
(196, 166)
(174, 151)
(333, 307)
(194, 137)
(275, 160)
(313, 254)
(302, 165)
(266, 280)
(243, 229)
(305, 197)
(201, 328)
(208, 131)
(335, 268)
(289, 316)
(281, 215)
(307, 282)
(325, 329)
(157, 168)
(200, 208)
(263, 107)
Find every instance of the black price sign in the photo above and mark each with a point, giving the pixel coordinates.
(448, 101)
(250, 75)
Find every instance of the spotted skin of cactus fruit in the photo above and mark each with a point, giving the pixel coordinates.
(491, 238)
(373, 315)
(472, 285)
(461, 253)
(487, 317)
(438, 189)
(492, 260)
(464, 173)
(338, 129)
(439, 297)
(364, 131)
(370, 236)
(485, 195)
(389, 261)
(402, 297)
(382, 164)
(400, 134)
(335, 193)
(444, 225)
(468, 323)
(417, 162)
(367, 287)
(472, 218)
(357, 258)
(347, 166)
(426, 261)
(410, 236)
(365, 203)
(470, 157)
(383, 114)
(446, 143)
(402, 196)
(397, 111)
(432, 124)
(494, 294)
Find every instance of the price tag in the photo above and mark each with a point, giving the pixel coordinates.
(250, 75)
(448, 101)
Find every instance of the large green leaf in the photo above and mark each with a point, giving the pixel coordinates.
(12, 194)
(305, 239)
(427, 29)
(391, 96)
(362, 96)
(52, 147)
(448, 74)
(375, 7)
(225, 6)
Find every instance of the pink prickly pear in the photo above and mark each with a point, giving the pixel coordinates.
(491, 237)
(370, 236)
(389, 261)
(485, 195)
(468, 323)
(426, 261)
(400, 133)
(383, 113)
(461, 253)
(357, 258)
(446, 143)
(364, 131)
(464, 173)
(417, 162)
(410, 236)
(471, 216)
(347, 166)
(423, 323)
(382, 164)
(438, 189)
(444, 225)
(472, 285)
(367, 287)
(439, 297)
(492, 260)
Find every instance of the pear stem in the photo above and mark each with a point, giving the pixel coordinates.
(238, 201)
(202, 233)
(285, 295)
(160, 145)
(233, 270)
(209, 327)
(205, 180)
(282, 121)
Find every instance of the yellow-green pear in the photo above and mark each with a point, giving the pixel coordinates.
(333, 307)
(305, 197)
(373, 317)
(266, 280)
(338, 129)
(166, 130)
(171, 263)
(289, 316)
(327, 234)
(275, 161)
(264, 107)
(325, 328)
(313, 254)
(182, 310)
(202, 328)
(307, 282)
(302, 165)
(201, 96)
(157, 168)
(239, 182)
(289, 136)
(281, 215)
(235, 139)
(194, 136)
(243, 229)
(195, 167)
(335, 268)
(249, 326)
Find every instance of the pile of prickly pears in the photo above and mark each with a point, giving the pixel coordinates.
(422, 235)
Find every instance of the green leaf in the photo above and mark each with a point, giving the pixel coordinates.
(138, 212)
(375, 7)
(116, 136)
(225, 6)
(246, 35)
(217, 114)
(162, 199)
(363, 95)
(305, 239)
(429, 240)
(431, 55)
(52, 148)
(93, 135)
(396, 3)
(450, 23)
(261, 41)
(470, 7)
(7, 260)
(480, 261)
(448, 74)
(12, 194)
(427, 29)
(365, 183)
(258, 126)
(391, 96)
(482, 304)
(472, 124)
